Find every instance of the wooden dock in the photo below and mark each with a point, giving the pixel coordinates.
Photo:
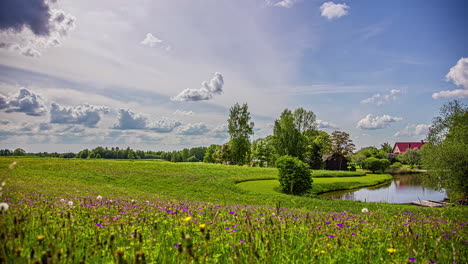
(429, 203)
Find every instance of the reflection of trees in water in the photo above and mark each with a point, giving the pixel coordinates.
(408, 180)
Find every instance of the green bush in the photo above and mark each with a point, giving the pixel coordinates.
(375, 164)
(294, 175)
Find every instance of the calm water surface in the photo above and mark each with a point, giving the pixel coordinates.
(403, 189)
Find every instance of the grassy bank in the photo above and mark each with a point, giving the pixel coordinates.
(320, 185)
(111, 211)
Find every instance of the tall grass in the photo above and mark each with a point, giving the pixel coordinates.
(103, 211)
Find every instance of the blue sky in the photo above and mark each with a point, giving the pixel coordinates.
(161, 75)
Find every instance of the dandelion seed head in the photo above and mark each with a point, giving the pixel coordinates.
(365, 210)
(99, 197)
(70, 203)
(4, 206)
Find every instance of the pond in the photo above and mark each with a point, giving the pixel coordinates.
(402, 189)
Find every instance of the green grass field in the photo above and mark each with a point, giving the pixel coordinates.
(121, 211)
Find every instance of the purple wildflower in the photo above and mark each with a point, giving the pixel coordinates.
(330, 236)
(411, 260)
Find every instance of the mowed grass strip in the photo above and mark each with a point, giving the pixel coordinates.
(320, 185)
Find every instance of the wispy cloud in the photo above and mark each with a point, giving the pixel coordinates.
(331, 10)
(381, 99)
(458, 74)
(372, 122)
(206, 92)
(282, 3)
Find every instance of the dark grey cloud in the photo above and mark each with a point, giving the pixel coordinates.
(17, 14)
(206, 92)
(25, 101)
(86, 115)
(130, 120)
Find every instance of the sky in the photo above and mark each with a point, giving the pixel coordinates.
(162, 75)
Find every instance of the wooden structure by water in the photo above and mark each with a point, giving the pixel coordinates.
(429, 203)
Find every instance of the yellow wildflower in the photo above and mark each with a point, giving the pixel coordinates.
(202, 227)
(391, 250)
(188, 218)
(40, 237)
(322, 251)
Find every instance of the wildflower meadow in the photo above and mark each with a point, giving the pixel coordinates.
(194, 214)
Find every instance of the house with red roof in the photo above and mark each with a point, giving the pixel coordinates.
(402, 147)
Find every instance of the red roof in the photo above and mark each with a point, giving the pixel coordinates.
(401, 147)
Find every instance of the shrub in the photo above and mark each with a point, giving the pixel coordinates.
(192, 159)
(375, 164)
(294, 175)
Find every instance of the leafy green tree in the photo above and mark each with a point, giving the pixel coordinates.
(259, 152)
(446, 153)
(304, 120)
(386, 147)
(287, 138)
(341, 145)
(294, 175)
(209, 154)
(318, 146)
(240, 129)
(192, 159)
(19, 152)
(411, 157)
(222, 153)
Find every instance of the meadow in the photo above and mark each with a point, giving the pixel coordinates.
(148, 211)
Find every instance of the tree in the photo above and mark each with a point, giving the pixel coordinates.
(240, 129)
(287, 138)
(304, 120)
(446, 153)
(19, 152)
(411, 157)
(318, 146)
(294, 175)
(209, 154)
(385, 147)
(341, 145)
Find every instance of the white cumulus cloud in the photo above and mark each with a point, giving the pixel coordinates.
(153, 41)
(331, 10)
(381, 99)
(371, 122)
(25, 101)
(458, 74)
(413, 130)
(86, 115)
(324, 124)
(206, 92)
(165, 125)
(130, 120)
(193, 129)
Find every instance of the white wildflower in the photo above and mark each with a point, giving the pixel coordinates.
(273, 214)
(3, 183)
(62, 200)
(70, 203)
(99, 197)
(4, 206)
(364, 210)
(133, 201)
